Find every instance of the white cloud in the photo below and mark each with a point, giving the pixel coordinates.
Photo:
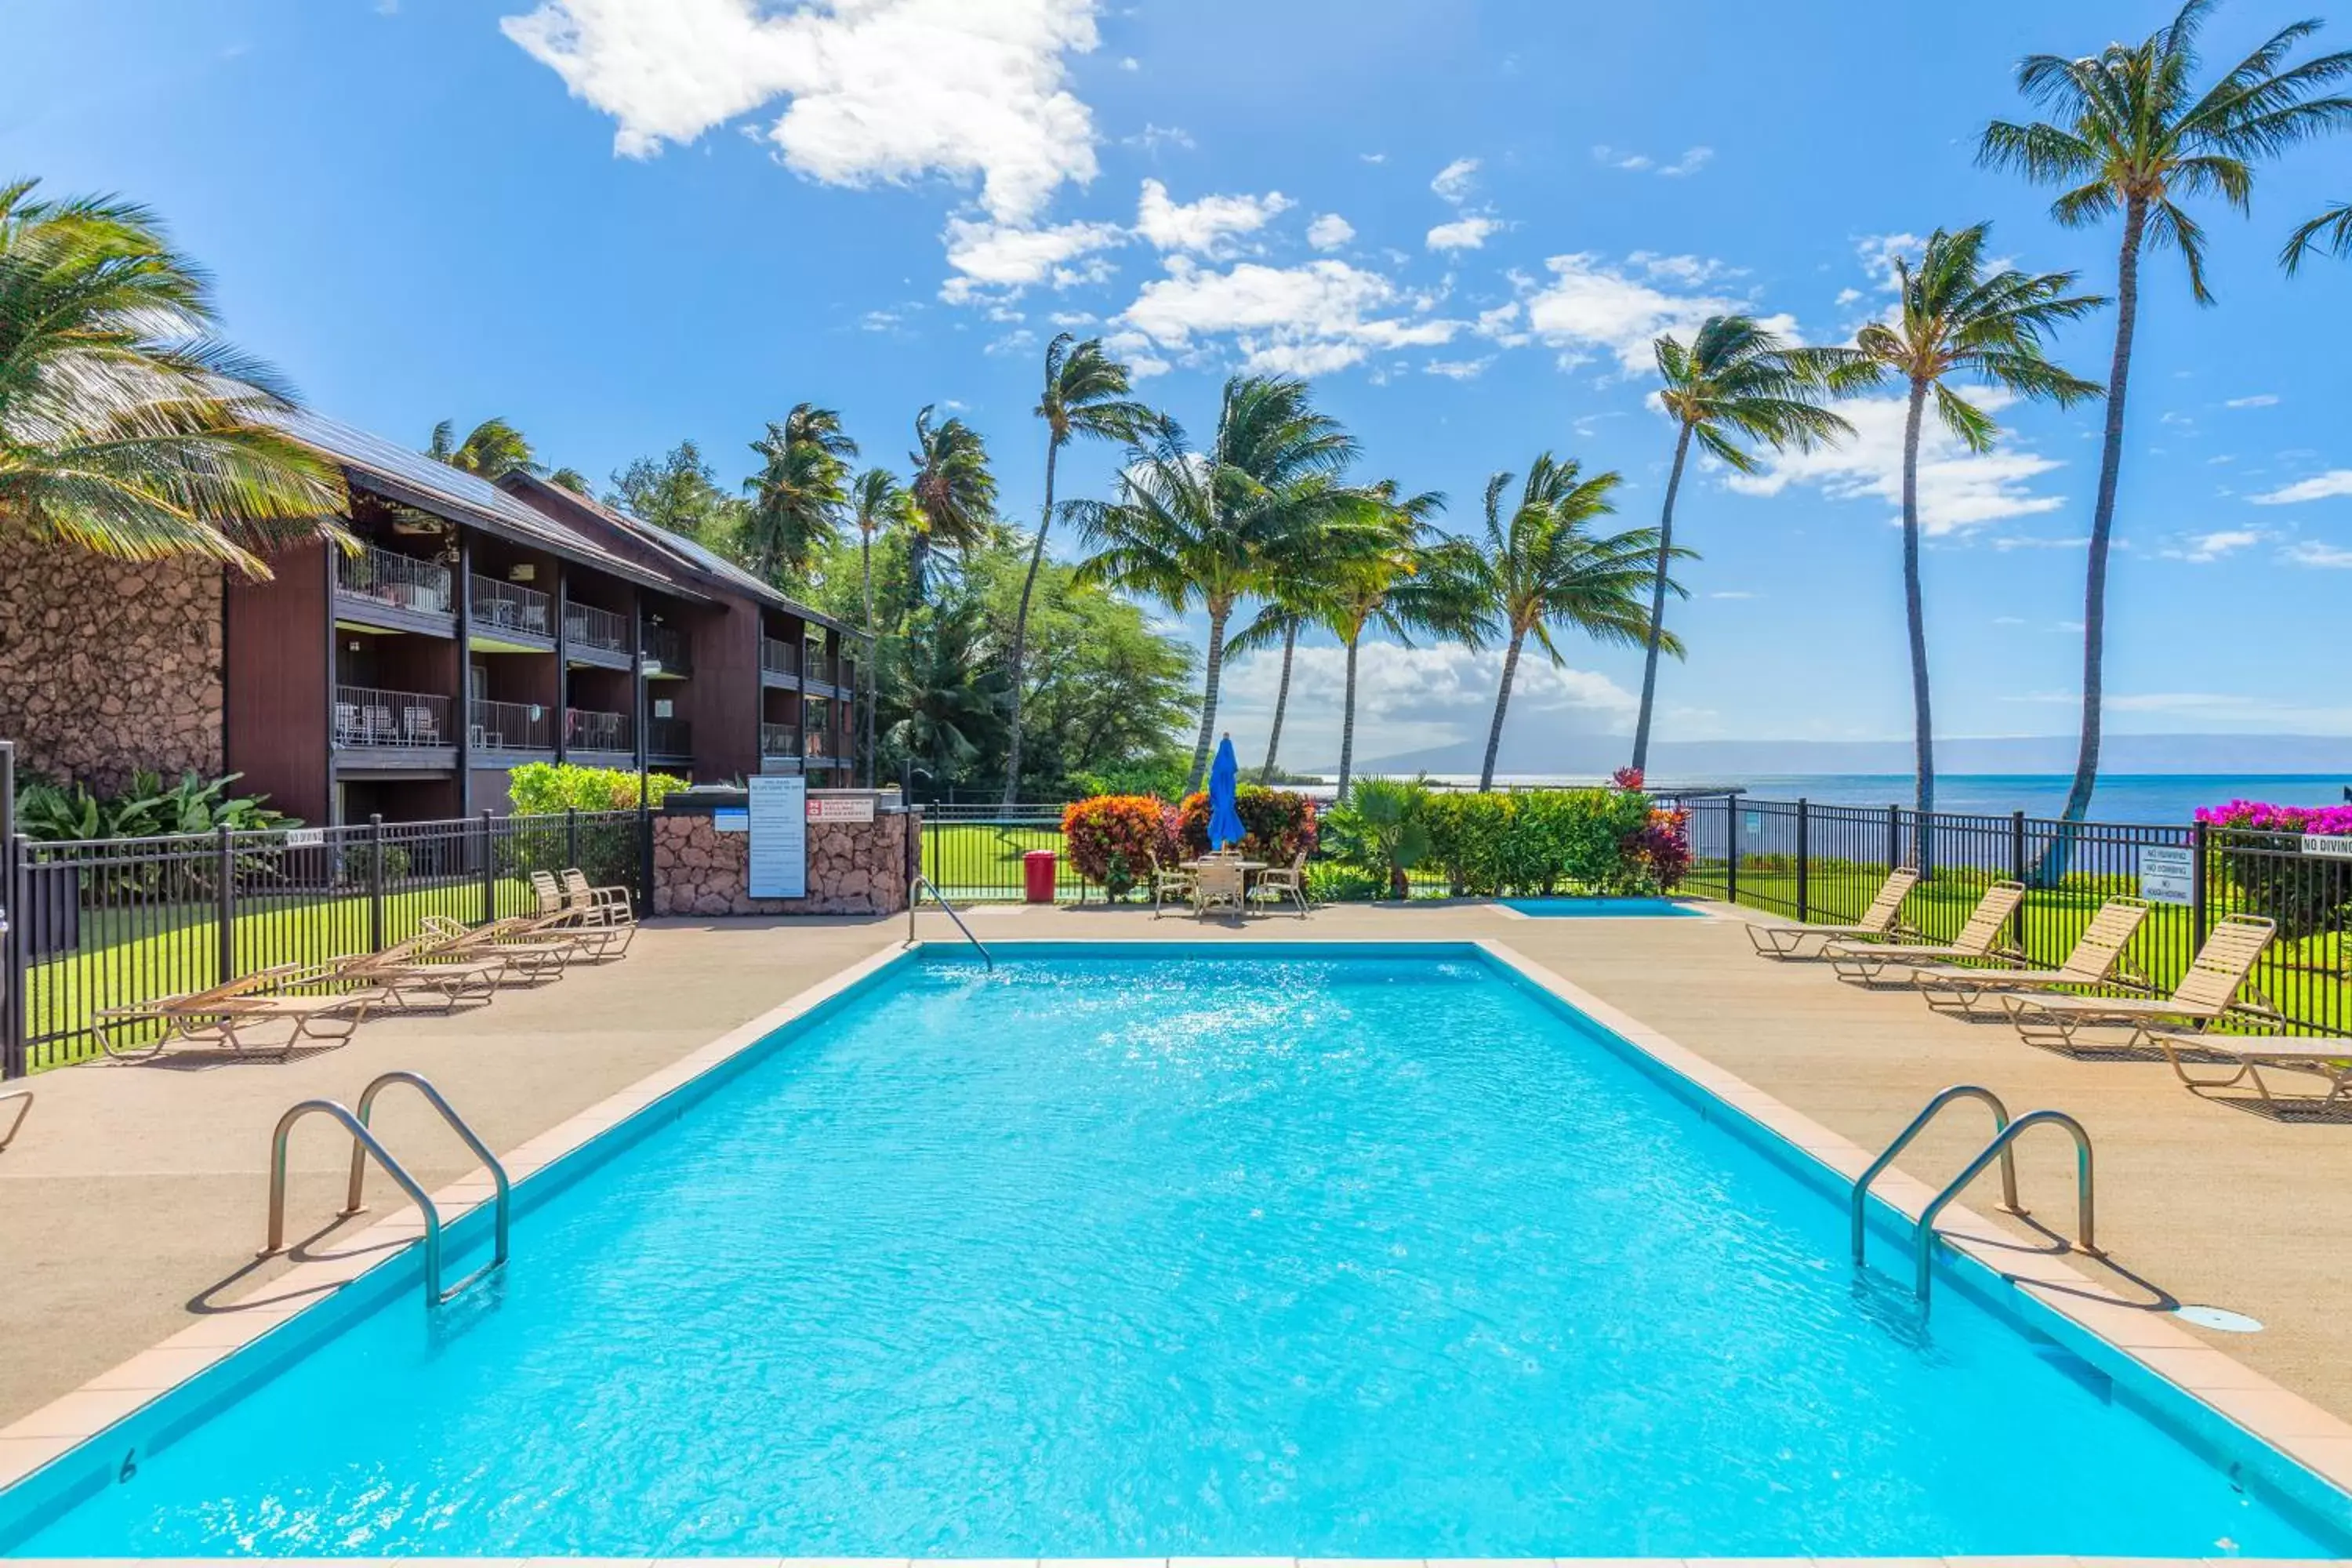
(2311, 553)
(1408, 698)
(1454, 182)
(1152, 138)
(1459, 369)
(1848, 296)
(1690, 162)
(1878, 252)
(1203, 226)
(1330, 232)
(993, 103)
(1129, 63)
(1633, 162)
(2319, 487)
(1733, 593)
(2258, 400)
(1135, 350)
(1959, 490)
(1592, 304)
(997, 256)
(2202, 548)
(1463, 233)
(1300, 321)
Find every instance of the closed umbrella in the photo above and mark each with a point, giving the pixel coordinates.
(1225, 773)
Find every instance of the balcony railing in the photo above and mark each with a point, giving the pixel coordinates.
(371, 716)
(511, 606)
(780, 740)
(588, 626)
(510, 726)
(818, 666)
(669, 738)
(820, 744)
(669, 647)
(402, 582)
(779, 657)
(585, 730)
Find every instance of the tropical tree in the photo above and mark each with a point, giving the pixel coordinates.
(877, 503)
(2131, 135)
(572, 479)
(126, 427)
(1086, 396)
(1290, 600)
(490, 449)
(1736, 382)
(798, 492)
(1954, 319)
(945, 692)
(2335, 224)
(1542, 566)
(679, 491)
(953, 493)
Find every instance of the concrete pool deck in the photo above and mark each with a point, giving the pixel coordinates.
(131, 1206)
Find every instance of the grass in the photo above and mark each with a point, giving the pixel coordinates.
(981, 860)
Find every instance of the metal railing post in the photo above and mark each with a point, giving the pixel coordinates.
(2022, 936)
(224, 906)
(2200, 887)
(490, 872)
(376, 881)
(13, 924)
(570, 835)
(1804, 859)
(1731, 849)
(645, 853)
(1894, 840)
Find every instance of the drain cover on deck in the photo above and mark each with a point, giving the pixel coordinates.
(2220, 1318)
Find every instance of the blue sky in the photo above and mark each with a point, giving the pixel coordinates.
(619, 223)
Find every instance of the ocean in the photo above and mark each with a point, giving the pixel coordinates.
(2124, 798)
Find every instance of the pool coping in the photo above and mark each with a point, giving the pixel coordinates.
(2311, 1437)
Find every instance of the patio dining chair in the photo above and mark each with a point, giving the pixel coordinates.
(1171, 884)
(1219, 887)
(1279, 884)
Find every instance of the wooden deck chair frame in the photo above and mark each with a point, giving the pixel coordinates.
(2222, 970)
(1979, 938)
(2098, 958)
(1882, 920)
(527, 944)
(222, 1014)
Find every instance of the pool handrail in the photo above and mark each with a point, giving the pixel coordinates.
(2085, 1241)
(355, 1198)
(1918, 1124)
(914, 889)
(335, 1111)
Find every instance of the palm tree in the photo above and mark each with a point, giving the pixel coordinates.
(945, 687)
(2131, 135)
(1736, 381)
(126, 429)
(1085, 395)
(798, 491)
(876, 503)
(2308, 238)
(1290, 603)
(572, 479)
(1956, 320)
(1542, 566)
(490, 449)
(954, 494)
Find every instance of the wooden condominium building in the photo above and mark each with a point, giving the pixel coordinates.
(478, 627)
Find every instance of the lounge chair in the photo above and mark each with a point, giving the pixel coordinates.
(607, 907)
(2209, 989)
(2327, 1057)
(1865, 961)
(1219, 886)
(24, 1103)
(2095, 959)
(581, 918)
(1274, 886)
(221, 1014)
(423, 971)
(532, 946)
(1882, 922)
(1171, 884)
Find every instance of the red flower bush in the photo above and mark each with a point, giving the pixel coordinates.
(1112, 839)
(1277, 825)
(1626, 778)
(1663, 848)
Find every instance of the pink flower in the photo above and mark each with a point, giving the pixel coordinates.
(2260, 816)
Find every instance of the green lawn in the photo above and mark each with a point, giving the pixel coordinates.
(967, 861)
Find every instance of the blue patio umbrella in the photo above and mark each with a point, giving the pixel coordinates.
(1224, 823)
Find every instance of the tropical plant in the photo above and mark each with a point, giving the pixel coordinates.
(147, 808)
(1085, 396)
(1543, 567)
(953, 493)
(1113, 838)
(1736, 382)
(1539, 842)
(876, 503)
(2334, 224)
(572, 479)
(946, 689)
(546, 789)
(126, 427)
(1956, 319)
(2131, 135)
(491, 449)
(679, 491)
(799, 492)
(1382, 830)
(1277, 825)
(1288, 596)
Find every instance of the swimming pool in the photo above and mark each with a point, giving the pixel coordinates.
(1169, 1250)
(1601, 909)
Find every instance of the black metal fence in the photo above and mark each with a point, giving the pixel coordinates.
(1824, 863)
(976, 852)
(112, 923)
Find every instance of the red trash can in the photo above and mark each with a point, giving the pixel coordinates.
(1037, 870)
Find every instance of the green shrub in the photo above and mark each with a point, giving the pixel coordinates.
(1381, 831)
(59, 813)
(1277, 825)
(1331, 882)
(1113, 838)
(545, 789)
(1533, 842)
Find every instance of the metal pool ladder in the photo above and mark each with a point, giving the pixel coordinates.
(913, 890)
(364, 1143)
(2006, 1133)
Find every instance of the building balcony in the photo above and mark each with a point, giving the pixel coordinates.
(510, 726)
(505, 612)
(384, 588)
(671, 739)
(780, 662)
(816, 666)
(665, 647)
(586, 626)
(780, 740)
(372, 718)
(586, 729)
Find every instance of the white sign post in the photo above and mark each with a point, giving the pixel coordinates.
(779, 846)
(2166, 875)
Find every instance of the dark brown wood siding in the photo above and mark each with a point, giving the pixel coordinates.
(275, 730)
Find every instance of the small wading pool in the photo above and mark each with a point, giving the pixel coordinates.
(1163, 1250)
(1601, 909)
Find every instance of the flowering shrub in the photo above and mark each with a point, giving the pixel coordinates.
(1113, 838)
(1277, 824)
(2327, 821)
(1627, 778)
(2305, 894)
(1662, 847)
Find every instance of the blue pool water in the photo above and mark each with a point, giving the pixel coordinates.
(1107, 1255)
(1601, 908)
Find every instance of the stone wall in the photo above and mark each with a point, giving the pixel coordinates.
(107, 665)
(854, 868)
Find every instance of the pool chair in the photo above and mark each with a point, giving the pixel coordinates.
(606, 907)
(230, 1014)
(424, 972)
(2327, 1057)
(1219, 887)
(2095, 959)
(1865, 961)
(577, 920)
(2209, 989)
(1278, 885)
(1883, 922)
(528, 944)
(1171, 884)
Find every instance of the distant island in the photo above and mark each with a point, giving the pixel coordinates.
(1531, 751)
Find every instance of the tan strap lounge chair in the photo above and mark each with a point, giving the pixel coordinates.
(423, 972)
(1171, 884)
(1278, 885)
(527, 944)
(2095, 959)
(2329, 1057)
(1882, 922)
(2205, 994)
(559, 917)
(608, 908)
(222, 1014)
(1865, 961)
(1219, 887)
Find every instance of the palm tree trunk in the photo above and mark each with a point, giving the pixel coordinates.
(1217, 668)
(1347, 722)
(1923, 726)
(1021, 627)
(1281, 701)
(1658, 604)
(2103, 521)
(1502, 700)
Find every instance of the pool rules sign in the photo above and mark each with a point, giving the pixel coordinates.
(778, 848)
